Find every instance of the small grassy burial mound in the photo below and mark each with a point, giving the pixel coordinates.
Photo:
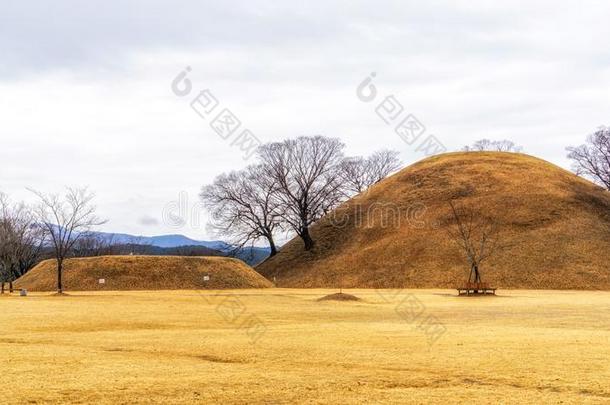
(340, 297)
(557, 226)
(144, 273)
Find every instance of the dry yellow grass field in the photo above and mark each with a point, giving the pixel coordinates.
(209, 347)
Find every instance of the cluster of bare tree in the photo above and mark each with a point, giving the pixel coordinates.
(21, 241)
(359, 173)
(494, 146)
(60, 225)
(593, 158)
(92, 245)
(295, 183)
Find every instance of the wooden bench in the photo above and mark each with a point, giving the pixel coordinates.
(476, 289)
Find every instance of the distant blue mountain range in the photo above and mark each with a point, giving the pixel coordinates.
(164, 241)
(251, 255)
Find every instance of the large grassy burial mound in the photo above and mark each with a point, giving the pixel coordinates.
(144, 273)
(556, 226)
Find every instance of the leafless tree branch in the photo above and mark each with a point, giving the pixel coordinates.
(593, 158)
(308, 177)
(497, 146)
(66, 221)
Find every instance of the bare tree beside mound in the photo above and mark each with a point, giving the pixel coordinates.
(359, 173)
(243, 207)
(66, 219)
(593, 158)
(476, 235)
(21, 241)
(308, 176)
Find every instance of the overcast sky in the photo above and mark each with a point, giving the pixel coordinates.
(86, 96)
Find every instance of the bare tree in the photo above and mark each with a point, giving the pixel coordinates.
(21, 241)
(593, 158)
(66, 220)
(476, 235)
(308, 176)
(354, 175)
(359, 173)
(497, 146)
(243, 206)
(382, 163)
(5, 241)
(479, 146)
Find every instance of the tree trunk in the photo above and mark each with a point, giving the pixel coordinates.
(60, 288)
(272, 246)
(475, 276)
(10, 287)
(306, 239)
(2, 289)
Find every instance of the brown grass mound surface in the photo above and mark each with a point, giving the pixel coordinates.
(557, 223)
(340, 297)
(144, 273)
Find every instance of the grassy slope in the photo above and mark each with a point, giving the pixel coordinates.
(144, 273)
(557, 223)
(177, 347)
